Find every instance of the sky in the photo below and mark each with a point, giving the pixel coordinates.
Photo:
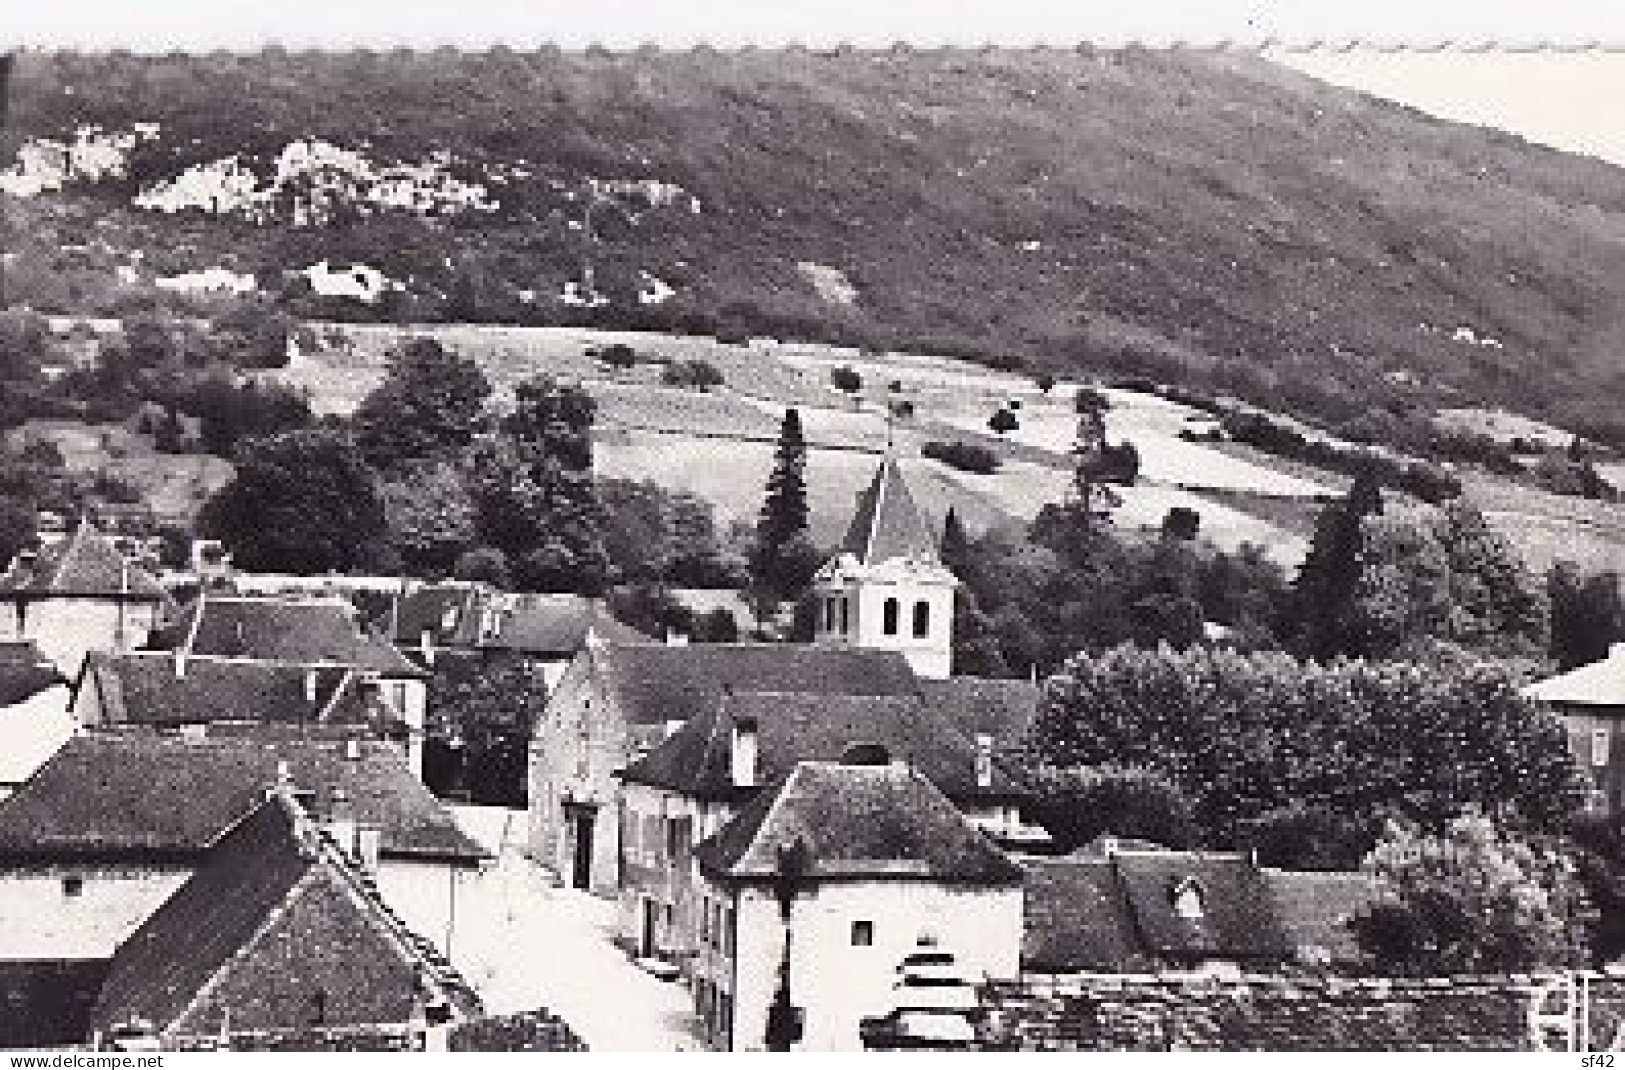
(1569, 99)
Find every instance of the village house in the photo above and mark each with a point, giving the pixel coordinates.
(692, 783)
(305, 631)
(617, 700)
(199, 696)
(34, 717)
(460, 619)
(79, 595)
(108, 829)
(825, 885)
(1130, 907)
(278, 928)
(1590, 702)
(885, 630)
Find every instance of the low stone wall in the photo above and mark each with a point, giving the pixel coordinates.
(1100, 1013)
(537, 1030)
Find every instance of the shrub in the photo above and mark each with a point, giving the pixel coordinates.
(846, 380)
(699, 374)
(618, 355)
(965, 456)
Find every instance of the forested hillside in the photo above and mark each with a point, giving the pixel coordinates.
(1210, 218)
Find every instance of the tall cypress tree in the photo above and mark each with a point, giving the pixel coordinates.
(1324, 591)
(955, 547)
(783, 560)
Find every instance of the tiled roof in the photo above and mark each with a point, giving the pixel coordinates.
(84, 565)
(1602, 683)
(1076, 920)
(274, 911)
(886, 523)
(1116, 914)
(147, 688)
(1003, 709)
(24, 673)
(1315, 909)
(858, 821)
(138, 793)
(469, 616)
(795, 727)
(304, 631)
(655, 684)
(449, 612)
(1238, 921)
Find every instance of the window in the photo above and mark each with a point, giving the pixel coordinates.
(1188, 900)
(888, 617)
(73, 887)
(1599, 746)
(863, 934)
(829, 614)
(846, 621)
(922, 619)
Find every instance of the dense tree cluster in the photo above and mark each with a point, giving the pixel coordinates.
(1246, 735)
(1378, 584)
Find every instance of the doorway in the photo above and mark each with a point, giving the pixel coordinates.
(650, 920)
(581, 822)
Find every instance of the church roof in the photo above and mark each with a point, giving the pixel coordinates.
(792, 728)
(656, 684)
(84, 565)
(887, 523)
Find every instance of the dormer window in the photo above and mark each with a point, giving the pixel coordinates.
(1187, 899)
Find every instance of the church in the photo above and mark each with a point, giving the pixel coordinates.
(883, 643)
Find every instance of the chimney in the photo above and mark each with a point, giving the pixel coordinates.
(368, 844)
(196, 732)
(341, 821)
(742, 763)
(1108, 845)
(310, 685)
(180, 664)
(352, 749)
(675, 638)
(672, 726)
(1616, 650)
(984, 760)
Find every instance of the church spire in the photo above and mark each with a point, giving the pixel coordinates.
(887, 523)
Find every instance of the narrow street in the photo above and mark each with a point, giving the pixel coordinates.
(525, 944)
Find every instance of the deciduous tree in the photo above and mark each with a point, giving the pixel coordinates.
(303, 501)
(430, 406)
